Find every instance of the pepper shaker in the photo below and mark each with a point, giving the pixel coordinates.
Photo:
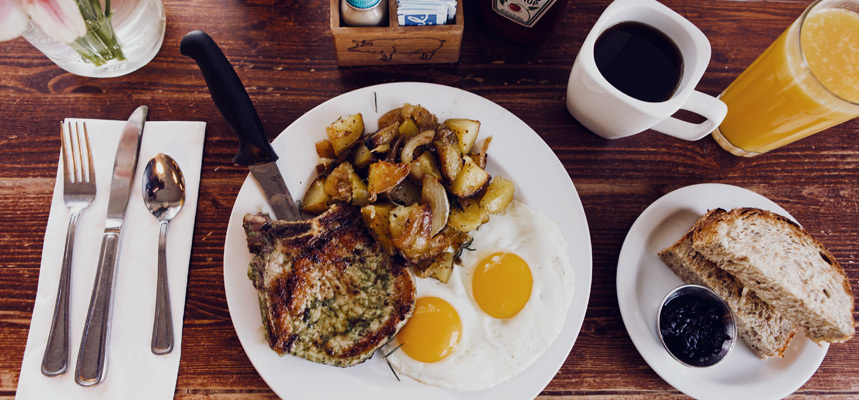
(363, 12)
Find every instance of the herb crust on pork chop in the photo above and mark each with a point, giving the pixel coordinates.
(327, 292)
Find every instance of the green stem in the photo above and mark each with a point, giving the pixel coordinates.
(99, 45)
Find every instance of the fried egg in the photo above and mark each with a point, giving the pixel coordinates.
(498, 312)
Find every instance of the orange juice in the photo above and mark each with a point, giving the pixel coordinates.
(803, 83)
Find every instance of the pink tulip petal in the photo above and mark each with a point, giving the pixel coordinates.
(13, 21)
(59, 19)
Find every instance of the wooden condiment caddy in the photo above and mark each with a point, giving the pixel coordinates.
(394, 44)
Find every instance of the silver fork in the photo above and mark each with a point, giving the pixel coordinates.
(78, 194)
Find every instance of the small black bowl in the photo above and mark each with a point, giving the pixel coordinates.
(699, 328)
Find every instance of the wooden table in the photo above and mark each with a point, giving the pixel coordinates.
(284, 54)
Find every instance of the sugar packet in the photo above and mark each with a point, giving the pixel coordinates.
(425, 12)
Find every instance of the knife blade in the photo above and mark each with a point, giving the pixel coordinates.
(91, 366)
(232, 100)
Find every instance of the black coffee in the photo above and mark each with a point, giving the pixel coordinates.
(639, 60)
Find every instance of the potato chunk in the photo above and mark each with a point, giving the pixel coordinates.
(470, 180)
(468, 216)
(410, 233)
(362, 157)
(422, 117)
(465, 130)
(344, 184)
(409, 127)
(377, 219)
(394, 116)
(449, 155)
(315, 199)
(383, 176)
(439, 268)
(498, 195)
(425, 165)
(345, 132)
(379, 142)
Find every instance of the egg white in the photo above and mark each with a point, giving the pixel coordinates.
(493, 350)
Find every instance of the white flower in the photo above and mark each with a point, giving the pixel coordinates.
(61, 20)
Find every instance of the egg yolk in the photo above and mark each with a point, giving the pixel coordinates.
(433, 332)
(502, 284)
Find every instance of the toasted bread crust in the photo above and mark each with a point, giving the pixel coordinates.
(784, 265)
(764, 330)
(327, 292)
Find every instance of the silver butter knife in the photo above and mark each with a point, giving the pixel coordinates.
(91, 364)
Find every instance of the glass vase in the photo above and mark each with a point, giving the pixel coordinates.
(121, 44)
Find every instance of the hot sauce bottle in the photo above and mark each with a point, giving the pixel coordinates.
(524, 22)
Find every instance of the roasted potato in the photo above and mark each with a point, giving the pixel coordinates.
(422, 117)
(410, 233)
(440, 267)
(470, 179)
(465, 130)
(425, 165)
(362, 157)
(344, 184)
(338, 183)
(324, 149)
(498, 195)
(449, 155)
(383, 176)
(377, 219)
(315, 200)
(345, 132)
(394, 116)
(380, 141)
(409, 127)
(424, 219)
(468, 216)
(360, 193)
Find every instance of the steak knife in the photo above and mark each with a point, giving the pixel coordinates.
(232, 100)
(91, 366)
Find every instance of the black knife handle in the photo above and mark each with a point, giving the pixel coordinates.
(230, 97)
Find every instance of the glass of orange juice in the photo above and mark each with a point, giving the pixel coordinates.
(805, 82)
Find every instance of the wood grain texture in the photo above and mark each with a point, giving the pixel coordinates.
(283, 52)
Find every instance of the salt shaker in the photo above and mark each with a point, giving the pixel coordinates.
(364, 12)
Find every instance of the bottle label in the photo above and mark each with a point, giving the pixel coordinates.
(522, 12)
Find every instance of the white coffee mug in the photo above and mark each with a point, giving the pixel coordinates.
(612, 114)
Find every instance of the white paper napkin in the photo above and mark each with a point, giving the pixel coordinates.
(133, 372)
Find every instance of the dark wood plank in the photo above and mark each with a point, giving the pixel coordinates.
(284, 54)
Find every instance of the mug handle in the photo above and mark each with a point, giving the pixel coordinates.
(699, 103)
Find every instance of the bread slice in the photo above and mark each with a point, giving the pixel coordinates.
(784, 265)
(762, 328)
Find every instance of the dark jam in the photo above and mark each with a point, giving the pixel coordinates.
(692, 329)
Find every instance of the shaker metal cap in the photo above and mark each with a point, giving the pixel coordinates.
(362, 3)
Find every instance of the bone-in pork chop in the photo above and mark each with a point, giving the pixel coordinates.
(327, 292)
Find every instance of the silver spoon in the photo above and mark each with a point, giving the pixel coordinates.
(164, 195)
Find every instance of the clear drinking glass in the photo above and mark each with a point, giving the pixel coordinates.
(805, 82)
(139, 27)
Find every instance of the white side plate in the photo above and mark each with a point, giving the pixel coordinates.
(643, 280)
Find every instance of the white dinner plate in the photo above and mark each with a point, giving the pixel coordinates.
(517, 153)
(643, 280)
